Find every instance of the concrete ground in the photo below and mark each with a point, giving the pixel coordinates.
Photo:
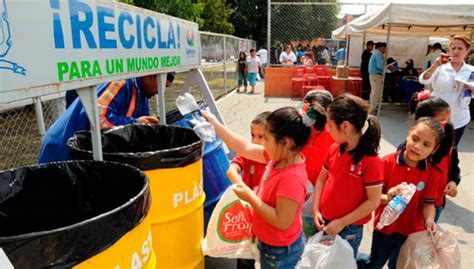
(239, 109)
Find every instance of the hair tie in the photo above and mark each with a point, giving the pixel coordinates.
(425, 94)
(365, 127)
(307, 113)
(443, 123)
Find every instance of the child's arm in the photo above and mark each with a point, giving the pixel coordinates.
(280, 217)
(233, 173)
(372, 202)
(236, 142)
(454, 175)
(318, 190)
(429, 215)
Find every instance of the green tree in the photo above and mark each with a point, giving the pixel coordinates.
(216, 17)
(250, 19)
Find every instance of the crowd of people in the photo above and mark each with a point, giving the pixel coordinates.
(331, 145)
(307, 54)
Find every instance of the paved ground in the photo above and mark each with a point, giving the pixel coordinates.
(239, 109)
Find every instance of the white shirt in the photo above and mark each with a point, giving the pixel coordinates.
(252, 64)
(285, 56)
(447, 88)
(263, 54)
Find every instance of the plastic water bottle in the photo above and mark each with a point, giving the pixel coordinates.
(396, 206)
(188, 107)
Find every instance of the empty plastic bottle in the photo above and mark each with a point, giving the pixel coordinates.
(396, 206)
(190, 110)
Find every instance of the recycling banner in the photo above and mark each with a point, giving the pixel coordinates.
(48, 46)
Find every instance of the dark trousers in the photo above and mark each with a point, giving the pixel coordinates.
(385, 248)
(365, 86)
(459, 132)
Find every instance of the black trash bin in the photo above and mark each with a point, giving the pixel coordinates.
(80, 214)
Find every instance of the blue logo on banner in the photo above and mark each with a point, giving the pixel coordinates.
(6, 42)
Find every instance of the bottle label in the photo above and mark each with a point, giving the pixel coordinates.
(398, 203)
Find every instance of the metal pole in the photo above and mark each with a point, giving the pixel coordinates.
(269, 28)
(385, 68)
(39, 116)
(161, 97)
(88, 97)
(364, 37)
(225, 63)
(348, 42)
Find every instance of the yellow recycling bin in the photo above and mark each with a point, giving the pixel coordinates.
(171, 157)
(82, 214)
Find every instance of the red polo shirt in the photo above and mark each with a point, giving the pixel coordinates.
(315, 152)
(289, 182)
(345, 187)
(424, 176)
(252, 171)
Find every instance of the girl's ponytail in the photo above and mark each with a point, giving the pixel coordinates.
(369, 143)
(445, 144)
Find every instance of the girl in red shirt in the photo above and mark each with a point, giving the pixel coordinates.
(320, 140)
(446, 157)
(278, 201)
(349, 186)
(411, 164)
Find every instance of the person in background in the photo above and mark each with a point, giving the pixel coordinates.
(287, 58)
(409, 70)
(443, 75)
(390, 93)
(325, 56)
(430, 59)
(262, 53)
(364, 69)
(376, 70)
(300, 53)
(241, 70)
(120, 102)
(307, 61)
(340, 56)
(253, 68)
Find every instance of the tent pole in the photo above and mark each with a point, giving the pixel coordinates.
(348, 42)
(385, 68)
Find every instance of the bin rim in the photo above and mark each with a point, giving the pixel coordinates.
(136, 155)
(87, 221)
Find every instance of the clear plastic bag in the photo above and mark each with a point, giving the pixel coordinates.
(324, 251)
(422, 251)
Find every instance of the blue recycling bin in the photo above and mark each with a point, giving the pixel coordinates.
(215, 165)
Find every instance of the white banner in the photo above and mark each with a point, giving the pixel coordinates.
(48, 46)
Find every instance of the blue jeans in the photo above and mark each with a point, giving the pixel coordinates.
(263, 70)
(353, 234)
(242, 79)
(281, 257)
(439, 210)
(385, 247)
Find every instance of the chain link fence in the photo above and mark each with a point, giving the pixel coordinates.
(307, 27)
(23, 123)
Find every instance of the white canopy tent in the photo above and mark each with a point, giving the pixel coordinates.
(410, 20)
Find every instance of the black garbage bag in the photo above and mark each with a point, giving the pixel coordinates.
(145, 146)
(57, 215)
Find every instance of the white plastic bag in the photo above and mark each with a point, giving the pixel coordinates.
(229, 233)
(323, 251)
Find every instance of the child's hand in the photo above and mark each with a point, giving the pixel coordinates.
(209, 117)
(334, 227)
(243, 192)
(451, 189)
(431, 227)
(395, 190)
(319, 221)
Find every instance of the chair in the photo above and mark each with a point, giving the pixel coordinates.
(321, 70)
(308, 88)
(298, 81)
(312, 79)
